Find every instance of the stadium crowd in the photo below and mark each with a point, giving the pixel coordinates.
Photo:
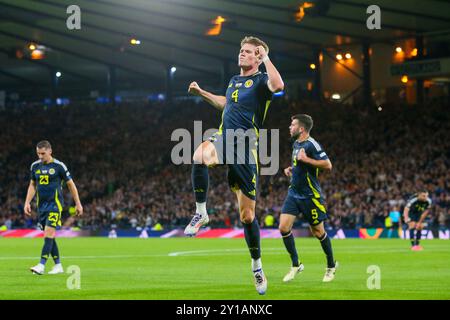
(120, 159)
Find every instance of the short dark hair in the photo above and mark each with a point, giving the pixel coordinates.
(255, 41)
(43, 144)
(305, 120)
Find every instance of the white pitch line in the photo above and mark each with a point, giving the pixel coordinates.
(203, 252)
(307, 250)
(90, 257)
(271, 251)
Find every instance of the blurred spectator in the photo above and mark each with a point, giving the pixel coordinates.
(269, 221)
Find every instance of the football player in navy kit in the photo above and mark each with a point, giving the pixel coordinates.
(46, 179)
(305, 195)
(244, 108)
(415, 212)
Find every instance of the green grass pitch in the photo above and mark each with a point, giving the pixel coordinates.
(185, 268)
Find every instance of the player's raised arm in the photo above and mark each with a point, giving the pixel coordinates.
(216, 101)
(74, 192)
(275, 82)
(30, 195)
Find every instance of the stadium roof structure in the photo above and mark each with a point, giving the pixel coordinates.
(172, 33)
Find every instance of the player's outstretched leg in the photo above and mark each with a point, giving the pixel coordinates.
(57, 268)
(204, 156)
(286, 222)
(49, 235)
(320, 233)
(252, 237)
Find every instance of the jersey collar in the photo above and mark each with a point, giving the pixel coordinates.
(51, 161)
(252, 75)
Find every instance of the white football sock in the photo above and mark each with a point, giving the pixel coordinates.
(201, 208)
(256, 264)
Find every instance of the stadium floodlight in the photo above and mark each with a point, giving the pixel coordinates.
(217, 26)
(336, 96)
(37, 54)
(300, 14)
(135, 42)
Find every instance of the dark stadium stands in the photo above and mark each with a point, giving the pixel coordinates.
(119, 157)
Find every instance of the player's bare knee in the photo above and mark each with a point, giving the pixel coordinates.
(208, 161)
(318, 233)
(49, 233)
(247, 220)
(212, 158)
(198, 156)
(204, 155)
(284, 229)
(247, 215)
(319, 236)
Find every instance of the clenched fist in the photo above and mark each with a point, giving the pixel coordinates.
(288, 171)
(194, 89)
(261, 53)
(302, 155)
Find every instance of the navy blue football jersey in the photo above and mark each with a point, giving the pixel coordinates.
(304, 180)
(416, 206)
(48, 178)
(248, 99)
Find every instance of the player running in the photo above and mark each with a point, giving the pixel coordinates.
(305, 195)
(47, 176)
(415, 212)
(244, 108)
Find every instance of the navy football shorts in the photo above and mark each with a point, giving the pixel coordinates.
(415, 217)
(49, 214)
(313, 209)
(242, 163)
(51, 219)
